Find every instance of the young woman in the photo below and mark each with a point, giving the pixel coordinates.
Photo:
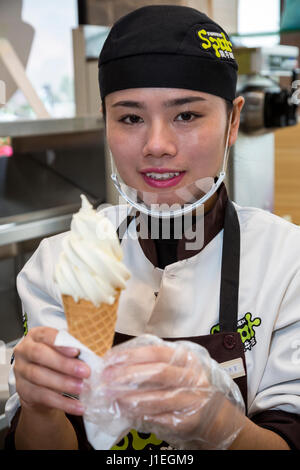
(168, 87)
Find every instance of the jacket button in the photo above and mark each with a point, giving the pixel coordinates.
(229, 341)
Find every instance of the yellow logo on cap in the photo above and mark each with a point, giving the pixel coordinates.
(217, 41)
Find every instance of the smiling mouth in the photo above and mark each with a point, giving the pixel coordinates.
(161, 173)
(162, 178)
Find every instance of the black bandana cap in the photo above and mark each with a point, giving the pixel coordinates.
(168, 46)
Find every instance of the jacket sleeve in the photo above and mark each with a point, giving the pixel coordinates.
(276, 406)
(40, 297)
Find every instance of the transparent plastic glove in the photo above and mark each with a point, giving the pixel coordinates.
(172, 389)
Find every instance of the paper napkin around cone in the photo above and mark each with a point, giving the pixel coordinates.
(106, 433)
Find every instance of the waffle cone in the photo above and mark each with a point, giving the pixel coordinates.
(92, 326)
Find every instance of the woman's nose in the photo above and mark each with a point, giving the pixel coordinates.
(160, 141)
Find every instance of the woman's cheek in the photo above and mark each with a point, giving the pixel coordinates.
(125, 161)
(204, 158)
(120, 145)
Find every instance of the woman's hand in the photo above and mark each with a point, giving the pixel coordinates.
(169, 389)
(44, 373)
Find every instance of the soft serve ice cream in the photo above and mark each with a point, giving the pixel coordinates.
(90, 275)
(90, 266)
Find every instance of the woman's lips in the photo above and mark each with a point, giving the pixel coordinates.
(162, 183)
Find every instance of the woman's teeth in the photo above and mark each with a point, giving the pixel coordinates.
(162, 176)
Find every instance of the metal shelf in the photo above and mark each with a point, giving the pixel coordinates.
(39, 127)
(14, 233)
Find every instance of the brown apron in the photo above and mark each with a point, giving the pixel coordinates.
(226, 345)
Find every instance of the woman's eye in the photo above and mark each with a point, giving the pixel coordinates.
(131, 119)
(187, 116)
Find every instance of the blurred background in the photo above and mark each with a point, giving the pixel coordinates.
(52, 142)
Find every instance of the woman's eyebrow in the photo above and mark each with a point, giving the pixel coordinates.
(167, 104)
(129, 104)
(184, 100)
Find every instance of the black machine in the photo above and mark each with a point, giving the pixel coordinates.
(267, 104)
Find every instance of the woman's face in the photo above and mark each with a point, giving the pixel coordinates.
(163, 139)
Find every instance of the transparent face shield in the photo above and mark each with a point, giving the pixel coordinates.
(175, 201)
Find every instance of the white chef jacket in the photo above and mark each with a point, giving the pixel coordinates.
(188, 301)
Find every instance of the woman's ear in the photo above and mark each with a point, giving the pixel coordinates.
(238, 104)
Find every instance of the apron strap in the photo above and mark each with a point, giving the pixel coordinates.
(121, 230)
(229, 291)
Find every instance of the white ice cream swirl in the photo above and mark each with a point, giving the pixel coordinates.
(90, 266)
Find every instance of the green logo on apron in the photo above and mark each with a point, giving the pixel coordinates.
(137, 441)
(245, 327)
(25, 323)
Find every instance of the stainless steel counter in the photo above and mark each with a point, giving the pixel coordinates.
(37, 127)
